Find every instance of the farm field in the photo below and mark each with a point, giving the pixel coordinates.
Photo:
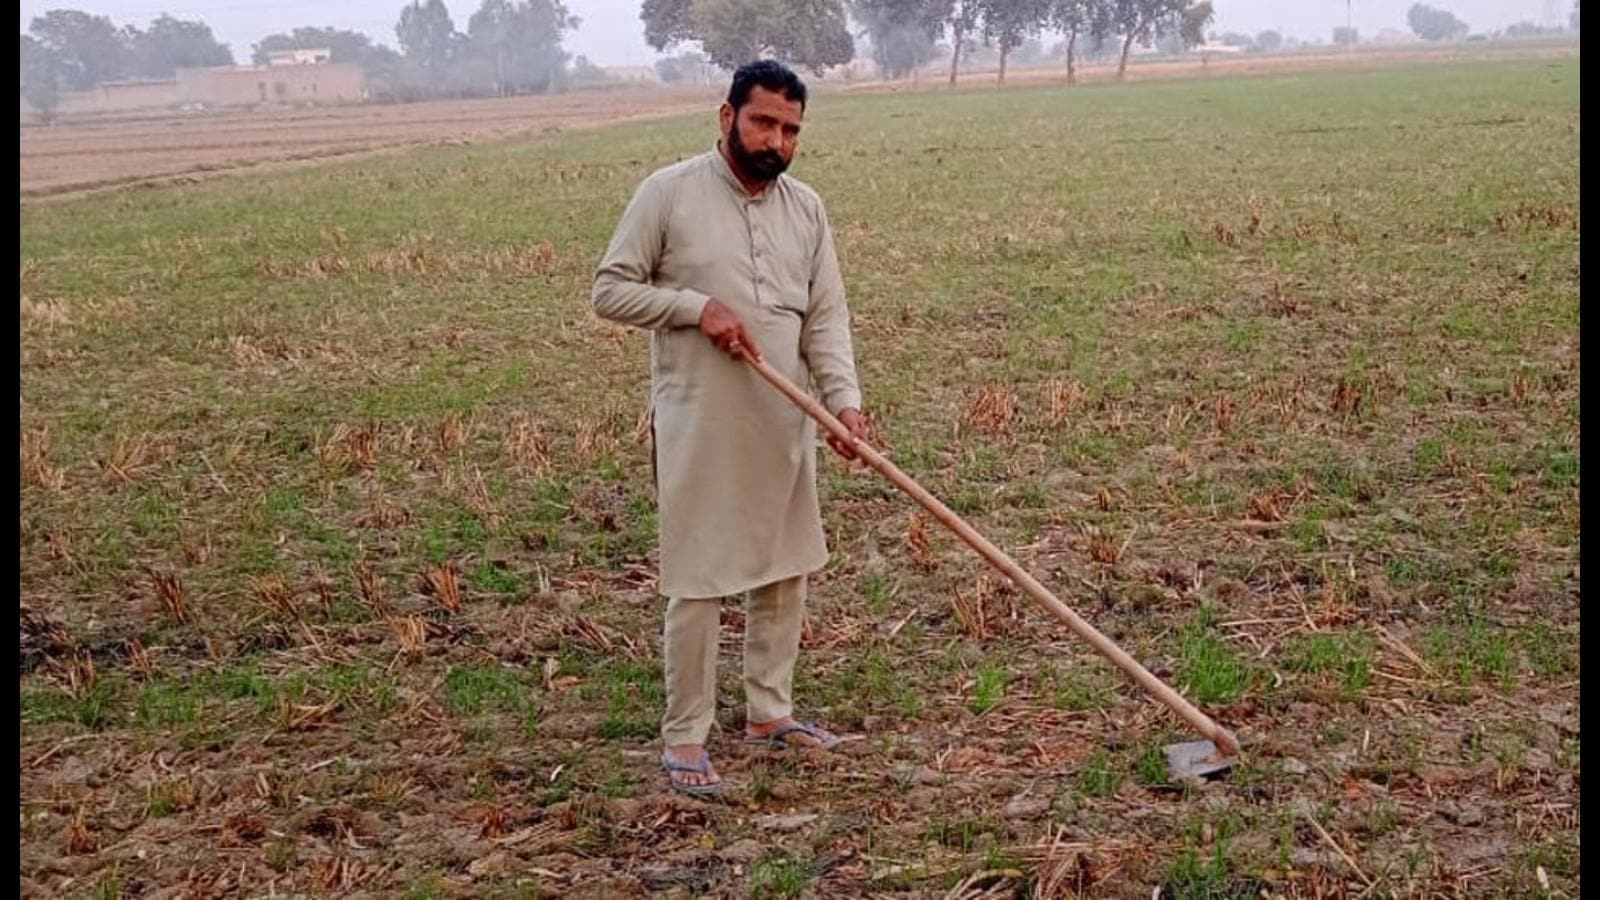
(336, 531)
(89, 153)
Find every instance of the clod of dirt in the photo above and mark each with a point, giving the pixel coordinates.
(1464, 814)
(1026, 808)
(784, 824)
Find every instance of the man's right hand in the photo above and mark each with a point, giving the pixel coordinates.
(718, 323)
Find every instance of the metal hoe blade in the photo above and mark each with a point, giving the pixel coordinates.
(1196, 760)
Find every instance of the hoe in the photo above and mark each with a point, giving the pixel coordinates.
(1218, 749)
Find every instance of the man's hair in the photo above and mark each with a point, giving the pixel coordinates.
(770, 74)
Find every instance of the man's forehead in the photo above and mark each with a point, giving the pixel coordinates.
(772, 101)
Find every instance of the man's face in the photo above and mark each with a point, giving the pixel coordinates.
(763, 134)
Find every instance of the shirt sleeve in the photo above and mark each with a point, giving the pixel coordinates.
(623, 288)
(825, 336)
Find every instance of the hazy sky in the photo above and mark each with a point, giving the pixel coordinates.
(611, 33)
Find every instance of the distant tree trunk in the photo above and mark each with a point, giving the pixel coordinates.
(1072, 62)
(1005, 51)
(955, 52)
(1127, 45)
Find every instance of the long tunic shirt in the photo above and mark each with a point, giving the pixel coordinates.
(735, 460)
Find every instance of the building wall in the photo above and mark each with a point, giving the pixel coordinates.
(249, 86)
(298, 57)
(114, 97)
(635, 74)
(325, 84)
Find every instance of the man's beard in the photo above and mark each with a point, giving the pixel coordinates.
(763, 165)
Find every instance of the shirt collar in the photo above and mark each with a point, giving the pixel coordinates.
(725, 170)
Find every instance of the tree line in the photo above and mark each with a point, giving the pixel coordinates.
(515, 46)
(508, 47)
(907, 34)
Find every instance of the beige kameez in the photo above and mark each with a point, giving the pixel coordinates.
(735, 460)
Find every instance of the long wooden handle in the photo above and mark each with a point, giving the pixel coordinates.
(1218, 735)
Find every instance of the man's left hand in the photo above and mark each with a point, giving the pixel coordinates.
(857, 423)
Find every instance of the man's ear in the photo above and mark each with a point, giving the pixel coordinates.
(725, 116)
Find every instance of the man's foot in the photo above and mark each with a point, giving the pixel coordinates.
(786, 732)
(688, 768)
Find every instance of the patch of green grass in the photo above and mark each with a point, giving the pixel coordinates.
(1307, 530)
(961, 832)
(478, 688)
(428, 887)
(1099, 776)
(870, 683)
(494, 579)
(1561, 469)
(1382, 818)
(1475, 651)
(1192, 877)
(91, 710)
(107, 887)
(163, 704)
(875, 589)
(1569, 753)
(989, 689)
(1209, 669)
(762, 781)
(779, 877)
(1348, 655)
(1079, 692)
(560, 790)
(282, 854)
(635, 695)
(1152, 768)
(1241, 338)
(1553, 654)
(1428, 457)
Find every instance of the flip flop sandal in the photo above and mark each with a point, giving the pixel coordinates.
(703, 767)
(825, 740)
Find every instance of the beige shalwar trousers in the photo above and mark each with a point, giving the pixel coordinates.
(771, 645)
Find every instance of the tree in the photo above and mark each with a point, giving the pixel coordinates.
(1007, 23)
(808, 33)
(1192, 25)
(903, 33)
(1235, 39)
(170, 44)
(1072, 18)
(1269, 41)
(587, 74)
(343, 46)
(668, 23)
(1142, 20)
(427, 35)
(89, 49)
(1345, 36)
(963, 19)
(1432, 24)
(1572, 20)
(41, 78)
(1526, 29)
(523, 41)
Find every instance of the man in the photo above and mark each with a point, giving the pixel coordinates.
(722, 256)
